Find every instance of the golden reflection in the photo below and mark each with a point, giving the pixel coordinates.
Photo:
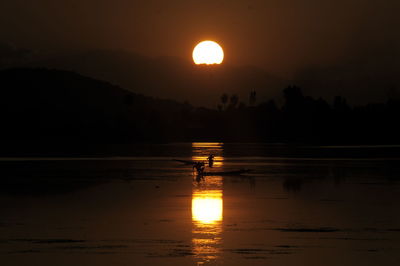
(207, 215)
(218, 160)
(207, 206)
(207, 144)
(201, 151)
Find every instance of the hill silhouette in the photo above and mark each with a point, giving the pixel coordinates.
(42, 107)
(163, 77)
(360, 81)
(52, 111)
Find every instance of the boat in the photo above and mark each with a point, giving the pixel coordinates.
(215, 173)
(189, 162)
(227, 173)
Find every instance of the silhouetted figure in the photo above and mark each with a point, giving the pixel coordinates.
(211, 160)
(199, 178)
(199, 166)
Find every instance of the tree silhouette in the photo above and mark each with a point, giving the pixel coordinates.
(294, 98)
(224, 99)
(57, 106)
(340, 104)
(252, 98)
(233, 101)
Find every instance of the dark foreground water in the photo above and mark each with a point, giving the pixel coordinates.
(299, 206)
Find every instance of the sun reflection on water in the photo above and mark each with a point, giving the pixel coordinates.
(201, 151)
(207, 216)
(207, 207)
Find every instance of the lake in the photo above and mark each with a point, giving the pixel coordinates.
(300, 205)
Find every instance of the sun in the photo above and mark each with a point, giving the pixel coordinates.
(208, 52)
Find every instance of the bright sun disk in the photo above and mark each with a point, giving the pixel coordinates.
(208, 52)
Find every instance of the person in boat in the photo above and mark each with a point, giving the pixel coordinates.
(211, 160)
(199, 178)
(199, 166)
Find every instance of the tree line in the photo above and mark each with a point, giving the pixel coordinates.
(49, 108)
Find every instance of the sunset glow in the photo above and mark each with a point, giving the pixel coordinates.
(208, 52)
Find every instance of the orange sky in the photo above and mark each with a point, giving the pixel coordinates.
(293, 39)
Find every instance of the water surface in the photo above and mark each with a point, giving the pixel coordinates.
(299, 206)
